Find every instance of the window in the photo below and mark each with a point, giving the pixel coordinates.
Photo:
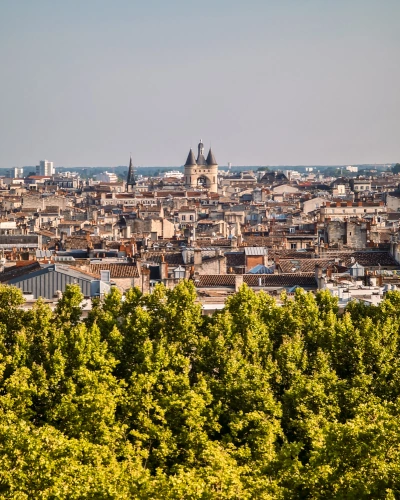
(183, 217)
(293, 246)
(191, 217)
(104, 275)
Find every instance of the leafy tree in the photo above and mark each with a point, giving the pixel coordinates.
(146, 398)
(396, 168)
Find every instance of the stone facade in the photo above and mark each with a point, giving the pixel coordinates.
(202, 172)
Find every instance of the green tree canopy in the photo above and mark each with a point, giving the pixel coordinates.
(147, 398)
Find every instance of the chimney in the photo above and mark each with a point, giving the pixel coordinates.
(265, 258)
(238, 281)
(198, 259)
(139, 265)
(163, 268)
(318, 276)
(145, 279)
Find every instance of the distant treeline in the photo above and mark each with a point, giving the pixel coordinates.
(122, 170)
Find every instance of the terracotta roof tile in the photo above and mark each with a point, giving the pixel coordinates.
(117, 270)
(171, 258)
(306, 280)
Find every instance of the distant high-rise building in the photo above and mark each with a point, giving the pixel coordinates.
(16, 173)
(108, 177)
(201, 172)
(45, 168)
(130, 180)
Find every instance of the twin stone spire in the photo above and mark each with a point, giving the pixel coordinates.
(201, 161)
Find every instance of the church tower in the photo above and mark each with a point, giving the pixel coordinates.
(201, 172)
(130, 180)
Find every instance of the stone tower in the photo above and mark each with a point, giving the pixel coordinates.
(201, 172)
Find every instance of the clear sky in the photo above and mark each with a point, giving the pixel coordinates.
(266, 82)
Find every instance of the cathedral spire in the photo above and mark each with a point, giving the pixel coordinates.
(130, 181)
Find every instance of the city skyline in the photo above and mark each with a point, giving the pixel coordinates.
(268, 83)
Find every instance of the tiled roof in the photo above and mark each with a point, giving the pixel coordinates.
(366, 259)
(289, 254)
(303, 280)
(171, 258)
(373, 259)
(262, 240)
(215, 280)
(303, 265)
(17, 271)
(235, 259)
(215, 243)
(306, 280)
(117, 270)
(78, 243)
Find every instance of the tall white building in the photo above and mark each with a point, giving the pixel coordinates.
(16, 172)
(107, 177)
(45, 168)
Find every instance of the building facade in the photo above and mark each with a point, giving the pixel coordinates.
(45, 168)
(201, 173)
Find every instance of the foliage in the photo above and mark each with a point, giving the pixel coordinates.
(146, 398)
(396, 168)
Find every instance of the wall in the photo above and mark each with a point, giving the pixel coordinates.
(393, 202)
(215, 265)
(356, 234)
(352, 234)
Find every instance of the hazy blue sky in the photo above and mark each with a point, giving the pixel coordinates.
(85, 82)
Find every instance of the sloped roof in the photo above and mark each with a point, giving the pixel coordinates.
(261, 269)
(211, 158)
(255, 251)
(306, 280)
(235, 259)
(171, 258)
(190, 159)
(117, 270)
(288, 266)
(201, 160)
(17, 271)
(272, 177)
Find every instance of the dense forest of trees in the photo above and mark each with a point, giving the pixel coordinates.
(148, 399)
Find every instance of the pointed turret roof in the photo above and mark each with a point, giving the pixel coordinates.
(211, 158)
(200, 156)
(190, 159)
